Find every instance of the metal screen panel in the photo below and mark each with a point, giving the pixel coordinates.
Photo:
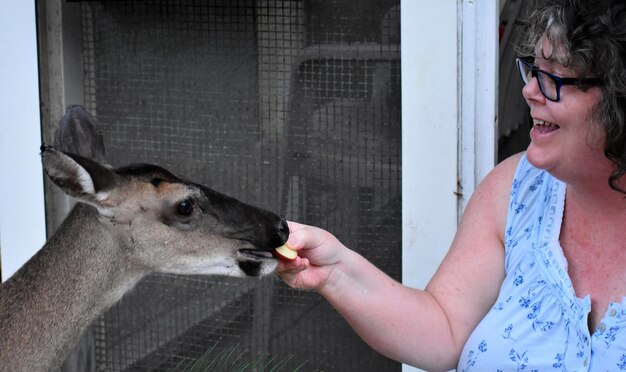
(293, 106)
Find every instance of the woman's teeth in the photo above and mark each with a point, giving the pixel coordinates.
(544, 126)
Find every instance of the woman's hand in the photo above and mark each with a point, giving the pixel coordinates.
(318, 253)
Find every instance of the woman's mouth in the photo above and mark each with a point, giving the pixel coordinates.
(544, 126)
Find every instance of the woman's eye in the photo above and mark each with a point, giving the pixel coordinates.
(185, 207)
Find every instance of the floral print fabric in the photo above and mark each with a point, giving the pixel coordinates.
(538, 323)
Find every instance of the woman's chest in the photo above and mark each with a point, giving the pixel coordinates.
(538, 323)
(596, 268)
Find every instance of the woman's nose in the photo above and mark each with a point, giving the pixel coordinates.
(531, 90)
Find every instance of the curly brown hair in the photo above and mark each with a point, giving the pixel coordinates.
(590, 37)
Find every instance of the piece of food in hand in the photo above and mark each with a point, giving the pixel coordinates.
(286, 253)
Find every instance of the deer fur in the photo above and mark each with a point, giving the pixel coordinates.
(129, 222)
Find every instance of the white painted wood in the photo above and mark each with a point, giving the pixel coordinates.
(22, 219)
(449, 80)
(429, 135)
(478, 103)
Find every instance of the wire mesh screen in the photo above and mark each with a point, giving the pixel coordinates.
(293, 106)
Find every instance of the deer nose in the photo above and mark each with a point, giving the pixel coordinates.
(282, 231)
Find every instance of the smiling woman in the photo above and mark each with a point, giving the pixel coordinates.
(574, 139)
(594, 54)
(564, 135)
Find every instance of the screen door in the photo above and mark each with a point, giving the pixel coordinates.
(291, 105)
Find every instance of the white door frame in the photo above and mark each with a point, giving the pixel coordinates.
(449, 86)
(22, 215)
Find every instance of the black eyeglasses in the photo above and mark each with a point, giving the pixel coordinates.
(549, 84)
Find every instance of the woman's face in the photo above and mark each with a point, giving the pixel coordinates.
(563, 139)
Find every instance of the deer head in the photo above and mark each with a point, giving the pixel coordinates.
(170, 225)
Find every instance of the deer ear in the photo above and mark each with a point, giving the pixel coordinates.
(78, 176)
(78, 134)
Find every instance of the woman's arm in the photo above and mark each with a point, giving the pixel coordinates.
(427, 328)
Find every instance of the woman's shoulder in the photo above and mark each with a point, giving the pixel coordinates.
(509, 166)
(526, 180)
(492, 195)
(501, 176)
(498, 181)
(513, 172)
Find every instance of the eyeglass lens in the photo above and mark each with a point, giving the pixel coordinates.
(547, 84)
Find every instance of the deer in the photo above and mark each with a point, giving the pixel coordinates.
(128, 222)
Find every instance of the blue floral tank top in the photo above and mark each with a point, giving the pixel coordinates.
(538, 323)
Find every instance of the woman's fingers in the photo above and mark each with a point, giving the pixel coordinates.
(289, 270)
(318, 251)
(296, 265)
(304, 236)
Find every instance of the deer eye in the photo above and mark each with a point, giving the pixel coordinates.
(185, 207)
(156, 181)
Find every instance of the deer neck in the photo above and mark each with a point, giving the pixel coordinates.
(78, 274)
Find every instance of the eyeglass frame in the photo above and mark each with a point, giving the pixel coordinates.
(559, 81)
